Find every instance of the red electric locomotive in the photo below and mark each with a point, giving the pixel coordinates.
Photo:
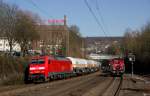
(43, 68)
(117, 66)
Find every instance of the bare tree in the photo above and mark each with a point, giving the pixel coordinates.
(8, 22)
(75, 42)
(75, 29)
(137, 42)
(25, 30)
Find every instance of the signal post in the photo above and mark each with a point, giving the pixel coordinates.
(132, 59)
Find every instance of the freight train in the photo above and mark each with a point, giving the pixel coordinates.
(45, 68)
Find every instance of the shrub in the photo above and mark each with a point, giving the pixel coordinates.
(12, 69)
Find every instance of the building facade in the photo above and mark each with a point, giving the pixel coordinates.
(53, 36)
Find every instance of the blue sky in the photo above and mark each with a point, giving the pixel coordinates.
(118, 15)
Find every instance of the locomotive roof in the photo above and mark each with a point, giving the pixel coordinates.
(50, 57)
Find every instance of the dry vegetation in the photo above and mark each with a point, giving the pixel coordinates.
(12, 69)
(138, 42)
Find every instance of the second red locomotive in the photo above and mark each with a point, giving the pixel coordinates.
(117, 66)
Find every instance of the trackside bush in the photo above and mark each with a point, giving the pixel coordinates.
(12, 69)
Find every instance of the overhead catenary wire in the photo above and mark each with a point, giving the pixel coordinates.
(40, 9)
(96, 19)
(101, 16)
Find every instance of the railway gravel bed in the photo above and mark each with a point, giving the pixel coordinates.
(51, 87)
(95, 84)
(134, 87)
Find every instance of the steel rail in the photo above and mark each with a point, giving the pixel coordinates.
(119, 87)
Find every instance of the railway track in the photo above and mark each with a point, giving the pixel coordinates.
(87, 85)
(114, 87)
(119, 87)
(17, 91)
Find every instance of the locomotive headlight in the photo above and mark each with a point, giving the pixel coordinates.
(41, 68)
(32, 68)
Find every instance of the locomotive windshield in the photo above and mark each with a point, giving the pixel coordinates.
(60, 58)
(37, 61)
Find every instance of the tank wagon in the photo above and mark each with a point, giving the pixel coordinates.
(81, 66)
(45, 68)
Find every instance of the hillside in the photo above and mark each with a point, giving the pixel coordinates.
(100, 44)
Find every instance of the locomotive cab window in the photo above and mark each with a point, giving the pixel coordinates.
(116, 61)
(38, 61)
(60, 58)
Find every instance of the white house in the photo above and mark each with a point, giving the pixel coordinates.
(4, 45)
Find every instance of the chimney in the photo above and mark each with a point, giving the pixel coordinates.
(65, 20)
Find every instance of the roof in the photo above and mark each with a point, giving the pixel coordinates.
(52, 27)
